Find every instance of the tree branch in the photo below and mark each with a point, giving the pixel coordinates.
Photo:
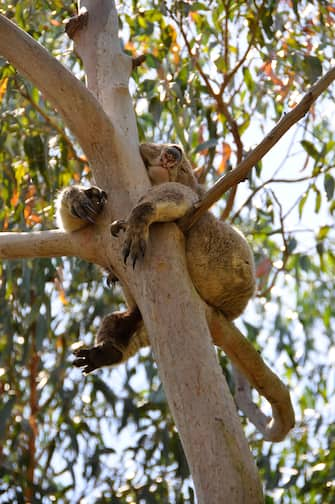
(53, 243)
(223, 107)
(240, 173)
(251, 365)
(244, 402)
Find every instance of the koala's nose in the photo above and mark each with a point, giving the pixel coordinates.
(174, 152)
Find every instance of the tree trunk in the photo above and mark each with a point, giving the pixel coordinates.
(201, 404)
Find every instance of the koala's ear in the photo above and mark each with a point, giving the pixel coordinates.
(150, 152)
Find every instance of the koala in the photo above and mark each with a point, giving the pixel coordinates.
(219, 259)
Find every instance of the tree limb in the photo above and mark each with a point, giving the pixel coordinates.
(240, 173)
(244, 402)
(250, 364)
(53, 243)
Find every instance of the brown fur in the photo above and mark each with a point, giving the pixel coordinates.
(113, 342)
(219, 259)
(77, 206)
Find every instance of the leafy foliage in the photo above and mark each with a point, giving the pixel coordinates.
(217, 74)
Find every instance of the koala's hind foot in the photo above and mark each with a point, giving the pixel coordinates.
(78, 206)
(90, 359)
(113, 342)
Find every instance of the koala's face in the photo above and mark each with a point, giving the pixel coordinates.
(162, 162)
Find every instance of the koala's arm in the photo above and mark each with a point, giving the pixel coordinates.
(164, 203)
(78, 206)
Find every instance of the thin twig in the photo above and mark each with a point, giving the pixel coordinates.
(226, 37)
(267, 182)
(286, 251)
(222, 107)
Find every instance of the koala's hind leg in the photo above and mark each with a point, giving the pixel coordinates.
(164, 203)
(117, 339)
(78, 206)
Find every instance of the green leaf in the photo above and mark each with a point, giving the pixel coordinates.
(198, 6)
(312, 67)
(304, 262)
(292, 245)
(248, 79)
(302, 203)
(318, 200)
(320, 248)
(323, 232)
(329, 185)
(310, 149)
(209, 144)
(155, 108)
(220, 64)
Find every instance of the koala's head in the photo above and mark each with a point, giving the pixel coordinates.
(167, 163)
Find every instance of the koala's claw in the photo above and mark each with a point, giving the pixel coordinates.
(88, 203)
(89, 359)
(126, 252)
(134, 247)
(83, 360)
(117, 226)
(84, 210)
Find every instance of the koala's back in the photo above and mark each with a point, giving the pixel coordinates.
(221, 265)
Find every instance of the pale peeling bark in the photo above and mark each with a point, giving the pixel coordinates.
(53, 243)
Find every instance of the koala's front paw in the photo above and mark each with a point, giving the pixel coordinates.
(86, 204)
(117, 226)
(137, 231)
(135, 243)
(89, 359)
